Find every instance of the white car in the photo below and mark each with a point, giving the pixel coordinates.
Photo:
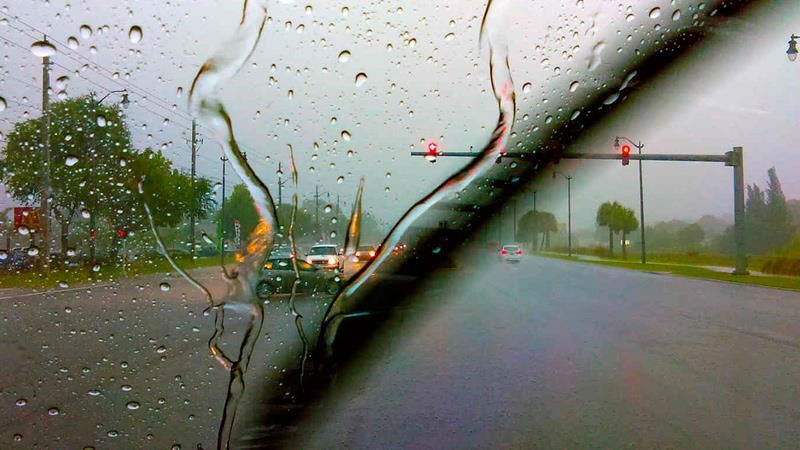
(325, 256)
(511, 253)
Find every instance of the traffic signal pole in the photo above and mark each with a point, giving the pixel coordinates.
(734, 158)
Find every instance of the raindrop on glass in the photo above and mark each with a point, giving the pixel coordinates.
(43, 49)
(71, 161)
(165, 286)
(655, 13)
(526, 88)
(361, 78)
(135, 34)
(133, 406)
(344, 56)
(574, 86)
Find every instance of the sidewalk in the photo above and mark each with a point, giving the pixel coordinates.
(720, 269)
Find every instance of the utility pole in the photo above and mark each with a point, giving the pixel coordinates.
(641, 203)
(569, 214)
(192, 212)
(281, 183)
(44, 213)
(737, 161)
(515, 220)
(569, 208)
(222, 215)
(316, 211)
(500, 228)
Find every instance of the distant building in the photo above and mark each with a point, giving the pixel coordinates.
(8, 237)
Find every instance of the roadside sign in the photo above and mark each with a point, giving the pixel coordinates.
(27, 216)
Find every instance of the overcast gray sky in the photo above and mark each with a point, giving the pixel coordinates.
(423, 83)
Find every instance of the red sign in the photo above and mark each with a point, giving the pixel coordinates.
(26, 216)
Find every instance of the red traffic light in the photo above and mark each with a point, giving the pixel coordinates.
(626, 151)
(433, 151)
(121, 233)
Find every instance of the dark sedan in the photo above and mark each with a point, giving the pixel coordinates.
(279, 276)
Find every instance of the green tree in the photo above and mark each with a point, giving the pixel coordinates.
(166, 190)
(616, 218)
(605, 218)
(626, 222)
(531, 224)
(691, 236)
(778, 220)
(88, 144)
(239, 206)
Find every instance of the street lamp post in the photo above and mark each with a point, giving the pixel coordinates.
(569, 208)
(792, 52)
(125, 102)
(639, 147)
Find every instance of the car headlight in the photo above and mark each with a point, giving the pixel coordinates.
(331, 261)
(308, 260)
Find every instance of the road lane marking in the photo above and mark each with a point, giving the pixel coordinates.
(58, 291)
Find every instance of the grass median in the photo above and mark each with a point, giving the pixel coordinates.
(79, 276)
(773, 281)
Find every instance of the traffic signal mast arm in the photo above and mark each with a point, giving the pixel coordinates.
(727, 158)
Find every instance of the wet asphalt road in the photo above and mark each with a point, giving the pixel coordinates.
(554, 354)
(543, 354)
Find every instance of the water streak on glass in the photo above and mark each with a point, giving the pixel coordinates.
(298, 318)
(213, 342)
(215, 73)
(492, 35)
(354, 227)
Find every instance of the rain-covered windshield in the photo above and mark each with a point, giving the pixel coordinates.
(571, 207)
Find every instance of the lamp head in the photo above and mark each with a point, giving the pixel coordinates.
(792, 52)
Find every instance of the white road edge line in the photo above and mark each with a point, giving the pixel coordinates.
(57, 291)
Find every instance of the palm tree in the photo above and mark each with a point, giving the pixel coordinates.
(605, 218)
(627, 222)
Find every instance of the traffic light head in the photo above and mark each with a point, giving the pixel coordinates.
(433, 151)
(626, 152)
(121, 233)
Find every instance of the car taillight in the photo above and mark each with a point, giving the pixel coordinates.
(503, 252)
(519, 252)
(372, 253)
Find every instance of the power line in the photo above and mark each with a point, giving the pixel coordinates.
(143, 92)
